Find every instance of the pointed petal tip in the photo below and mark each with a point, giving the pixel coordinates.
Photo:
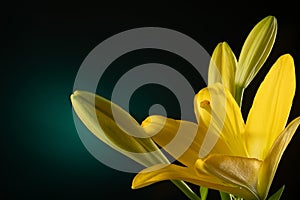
(133, 186)
(137, 183)
(146, 122)
(73, 97)
(272, 22)
(270, 19)
(288, 61)
(76, 93)
(224, 43)
(288, 57)
(79, 95)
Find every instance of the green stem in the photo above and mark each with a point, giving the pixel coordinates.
(186, 190)
(239, 91)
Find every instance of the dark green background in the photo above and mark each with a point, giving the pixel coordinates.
(43, 47)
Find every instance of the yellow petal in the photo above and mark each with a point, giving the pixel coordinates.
(181, 139)
(222, 67)
(271, 107)
(177, 137)
(271, 162)
(98, 115)
(174, 172)
(255, 50)
(240, 171)
(217, 110)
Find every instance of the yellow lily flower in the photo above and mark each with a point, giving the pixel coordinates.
(125, 134)
(245, 156)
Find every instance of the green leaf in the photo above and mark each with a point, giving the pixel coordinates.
(277, 195)
(224, 196)
(203, 193)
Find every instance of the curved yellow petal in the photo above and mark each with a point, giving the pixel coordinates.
(163, 172)
(177, 137)
(98, 115)
(271, 107)
(181, 139)
(272, 160)
(240, 171)
(222, 67)
(217, 110)
(255, 50)
(159, 173)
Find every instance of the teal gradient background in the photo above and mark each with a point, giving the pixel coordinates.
(44, 46)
